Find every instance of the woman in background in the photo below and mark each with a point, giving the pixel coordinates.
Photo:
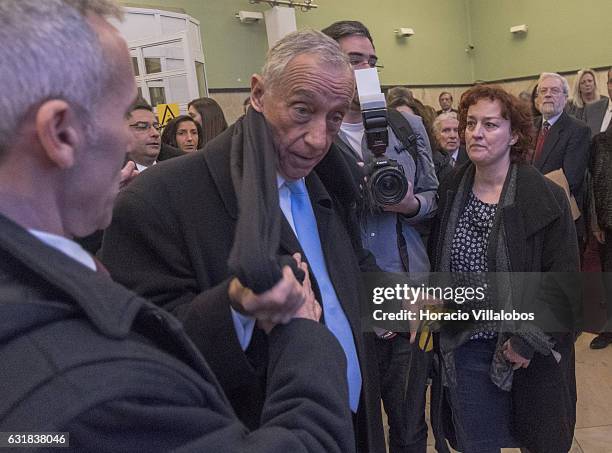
(182, 134)
(584, 92)
(209, 116)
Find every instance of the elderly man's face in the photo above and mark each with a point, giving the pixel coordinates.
(551, 98)
(448, 136)
(305, 110)
(93, 182)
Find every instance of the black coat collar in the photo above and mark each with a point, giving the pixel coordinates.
(534, 201)
(110, 307)
(534, 208)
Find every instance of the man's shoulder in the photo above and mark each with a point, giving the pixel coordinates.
(172, 181)
(570, 122)
(99, 369)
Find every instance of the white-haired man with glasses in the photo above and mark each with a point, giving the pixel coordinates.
(562, 142)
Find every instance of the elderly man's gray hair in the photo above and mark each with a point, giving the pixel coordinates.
(554, 75)
(437, 124)
(49, 51)
(302, 42)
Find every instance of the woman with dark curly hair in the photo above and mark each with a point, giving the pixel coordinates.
(184, 133)
(505, 383)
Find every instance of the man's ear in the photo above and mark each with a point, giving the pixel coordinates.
(56, 128)
(257, 92)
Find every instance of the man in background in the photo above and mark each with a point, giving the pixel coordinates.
(562, 141)
(145, 129)
(446, 103)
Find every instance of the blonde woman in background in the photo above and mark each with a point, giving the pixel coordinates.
(584, 92)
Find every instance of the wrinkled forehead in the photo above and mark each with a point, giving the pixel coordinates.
(307, 73)
(449, 123)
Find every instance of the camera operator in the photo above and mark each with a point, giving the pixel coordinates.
(389, 232)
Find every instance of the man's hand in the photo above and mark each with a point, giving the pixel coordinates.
(281, 303)
(409, 206)
(128, 173)
(310, 309)
(600, 236)
(517, 360)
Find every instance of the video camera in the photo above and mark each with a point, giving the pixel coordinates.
(386, 181)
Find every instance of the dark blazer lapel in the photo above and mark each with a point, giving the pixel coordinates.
(289, 244)
(218, 163)
(514, 227)
(328, 228)
(462, 155)
(551, 141)
(322, 207)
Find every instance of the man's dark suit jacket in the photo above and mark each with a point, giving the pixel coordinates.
(566, 147)
(171, 235)
(594, 114)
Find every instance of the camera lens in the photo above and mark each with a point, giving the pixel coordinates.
(388, 186)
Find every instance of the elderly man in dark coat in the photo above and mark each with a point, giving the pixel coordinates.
(177, 225)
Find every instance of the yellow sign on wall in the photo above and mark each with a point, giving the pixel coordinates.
(166, 112)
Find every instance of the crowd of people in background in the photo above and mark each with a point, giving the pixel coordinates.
(219, 309)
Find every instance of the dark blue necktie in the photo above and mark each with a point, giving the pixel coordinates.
(308, 235)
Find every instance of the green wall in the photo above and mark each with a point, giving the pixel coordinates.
(434, 55)
(564, 35)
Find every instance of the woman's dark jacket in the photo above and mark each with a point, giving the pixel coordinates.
(539, 237)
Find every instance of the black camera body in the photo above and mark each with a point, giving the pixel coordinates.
(386, 181)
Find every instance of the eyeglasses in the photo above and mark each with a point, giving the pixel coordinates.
(358, 59)
(555, 91)
(143, 126)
